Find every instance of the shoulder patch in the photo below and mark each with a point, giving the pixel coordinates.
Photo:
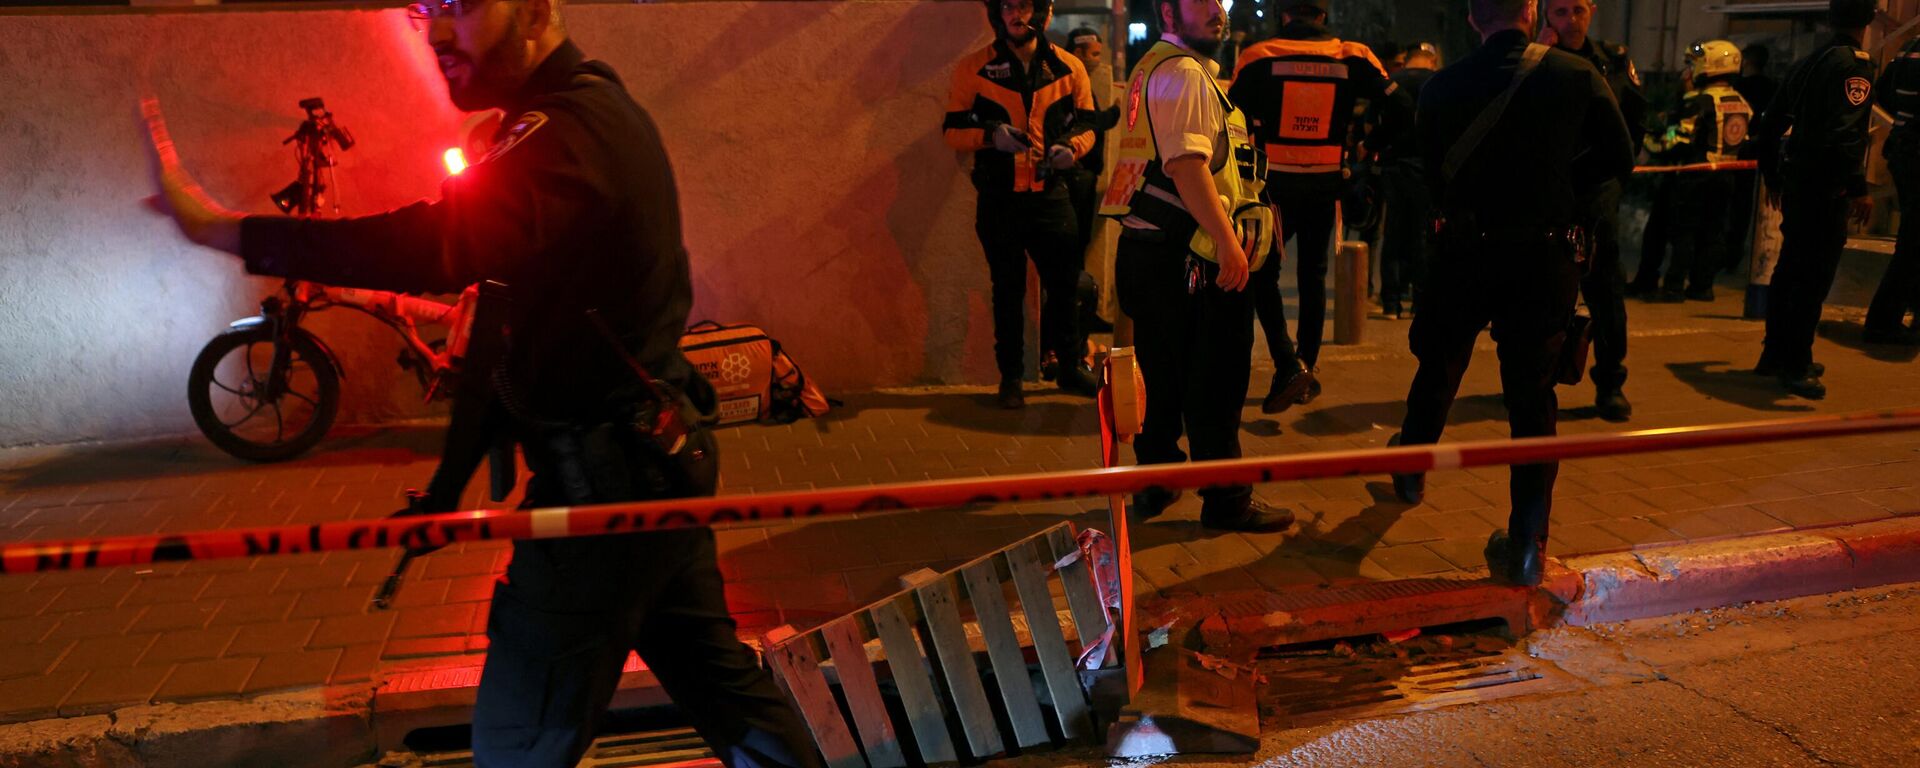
(1862, 55)
(1858, 88)
(521, 129)
(1633, 75)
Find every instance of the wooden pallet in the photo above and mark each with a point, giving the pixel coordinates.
(938, 678)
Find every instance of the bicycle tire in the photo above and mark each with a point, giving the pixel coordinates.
(305, 350)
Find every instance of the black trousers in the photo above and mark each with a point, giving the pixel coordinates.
(1195, 352)
(1654, 238)
(1813, 231)
(1306, 217)
(1899, 291)
(1698, 229)
(1041, 226)
(1407, 230)
(1526, 292)
(1604, 289)
(569, 611)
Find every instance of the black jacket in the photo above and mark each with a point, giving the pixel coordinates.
(1827, 102)
(1898, 92)
(1615, 65)
(1561, 135)
(1404, 147)
(574, 208)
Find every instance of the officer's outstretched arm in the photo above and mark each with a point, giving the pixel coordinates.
(493, 219)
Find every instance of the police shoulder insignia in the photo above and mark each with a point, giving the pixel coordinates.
(1633, 75)
(1862, 55)
(520, 130)
(1858, 88)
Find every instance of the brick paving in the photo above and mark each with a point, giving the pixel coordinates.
(90, 641)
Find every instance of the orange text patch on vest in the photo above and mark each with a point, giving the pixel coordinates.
(1306, 111)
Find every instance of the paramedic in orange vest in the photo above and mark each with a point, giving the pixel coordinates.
(1024, 108)
(1298, 90)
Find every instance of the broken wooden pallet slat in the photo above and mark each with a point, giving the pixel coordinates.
(916, 686)
(799, 665)
(1003, 649)
(848, 650)
(1049, 644)
(941, 609)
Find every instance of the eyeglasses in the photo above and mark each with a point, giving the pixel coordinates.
(422, 14)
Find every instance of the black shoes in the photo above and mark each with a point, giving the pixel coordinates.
(1287, 391)
(1313, 387)
(1255, 517)
(1700, 294)
(1807, 386)
(1522, 564)
(1612, 404)
(1896, 336)
(1668, 296)
(1078, 379)
(1769, 368)
(1011, 396)
(1408, 488)
(1148, 504)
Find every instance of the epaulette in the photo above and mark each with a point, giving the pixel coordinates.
(1862, 55)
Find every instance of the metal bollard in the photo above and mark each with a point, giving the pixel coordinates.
(1350, 292)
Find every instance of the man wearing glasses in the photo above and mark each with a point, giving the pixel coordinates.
(574, 208)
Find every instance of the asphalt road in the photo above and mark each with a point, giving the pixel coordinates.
(1818, 681)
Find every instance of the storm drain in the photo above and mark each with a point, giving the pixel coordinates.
(1371, 677)
(675, 748)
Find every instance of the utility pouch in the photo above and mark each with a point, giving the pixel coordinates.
(1572, 363)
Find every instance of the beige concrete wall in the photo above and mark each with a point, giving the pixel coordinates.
(819, 199)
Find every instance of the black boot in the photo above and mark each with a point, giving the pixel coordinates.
(1409, 488)
(1011, 396)
(1521, 564)
(1612, 404)
(1077, 378)
(1248, 516)
(1288, 387)
(1806, 385)
(1148, 504)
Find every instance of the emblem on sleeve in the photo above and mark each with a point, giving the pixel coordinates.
(522, 128)
(1857, 90)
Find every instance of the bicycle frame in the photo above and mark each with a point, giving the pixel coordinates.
(404, 313)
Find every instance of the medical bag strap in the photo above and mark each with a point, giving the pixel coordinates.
(1470, 139)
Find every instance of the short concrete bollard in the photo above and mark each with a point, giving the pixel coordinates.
(1350, 292)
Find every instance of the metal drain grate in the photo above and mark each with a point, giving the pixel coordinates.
(677, 748)
(1311, 687)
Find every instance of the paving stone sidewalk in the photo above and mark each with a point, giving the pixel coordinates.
(92, 641)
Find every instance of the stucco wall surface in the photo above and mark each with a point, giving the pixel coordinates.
(819, 199)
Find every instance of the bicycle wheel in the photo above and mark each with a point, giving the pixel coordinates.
(227, 386)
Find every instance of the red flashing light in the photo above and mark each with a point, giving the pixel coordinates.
(456, 161)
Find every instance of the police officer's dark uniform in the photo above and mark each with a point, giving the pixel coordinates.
(1504, 255)
(1298, 90)
(1025, 206)
(1604, 287)
(574, 208)
(1819, 172)
(1899, 93)
(1405, 224)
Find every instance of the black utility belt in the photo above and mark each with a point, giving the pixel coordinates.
(1576, 240)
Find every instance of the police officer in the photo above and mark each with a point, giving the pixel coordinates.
(1403, 250)
(1186, 188)
(1710, 126)
(1023, 107)
(1898, 92)
(1298, 89)
(1604, 286)
(575, 209)
(1818, 179)
(1515, 135)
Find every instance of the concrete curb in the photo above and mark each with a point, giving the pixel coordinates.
(307, 727)
(1683, 577)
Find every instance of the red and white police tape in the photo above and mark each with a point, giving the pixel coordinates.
(481, 525)
(1730, 165)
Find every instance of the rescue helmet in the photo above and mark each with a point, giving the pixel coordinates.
(1714, 58)
(1042, 13)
